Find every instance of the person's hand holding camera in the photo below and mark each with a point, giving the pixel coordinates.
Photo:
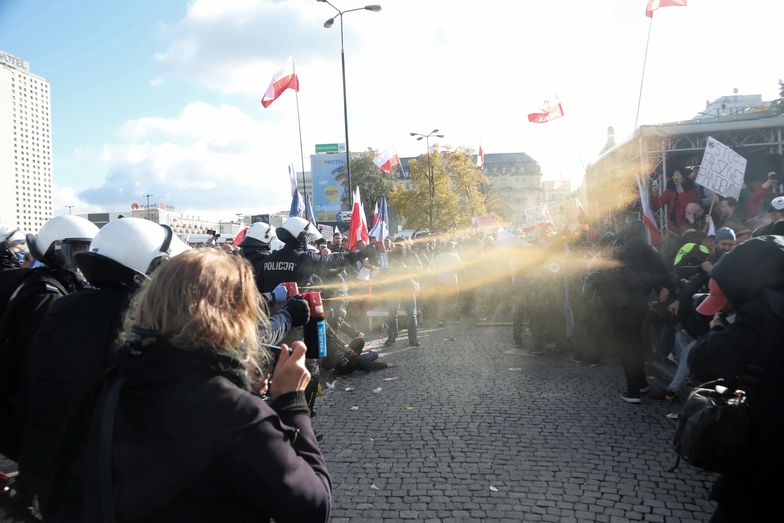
(299, 310)
(290, 374)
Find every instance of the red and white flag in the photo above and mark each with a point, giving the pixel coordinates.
(357, 227)
(547, 114)
(480, 159)
(653, 5)
(386, 160)
(647, 214)
(285, 78)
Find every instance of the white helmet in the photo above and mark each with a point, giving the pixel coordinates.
(298, 230)
(11, 234)
(259, 234)
(59, 239)
(276, 245)
(127, 250)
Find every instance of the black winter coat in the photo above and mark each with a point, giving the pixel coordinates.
(191, 444)
(752, 278)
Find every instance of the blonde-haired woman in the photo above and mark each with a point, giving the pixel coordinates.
(189, 441)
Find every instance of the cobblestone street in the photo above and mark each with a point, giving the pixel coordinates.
(470, 433)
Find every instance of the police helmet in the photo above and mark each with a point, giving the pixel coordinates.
(276, 245)
(59, 239)
(126, 251)
(299, 231)
(259, 234)
(12, 234)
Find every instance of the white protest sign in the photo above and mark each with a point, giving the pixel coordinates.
(533, 216)
(325, 230)
(722, 169)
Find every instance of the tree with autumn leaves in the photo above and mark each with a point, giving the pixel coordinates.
(459, 191)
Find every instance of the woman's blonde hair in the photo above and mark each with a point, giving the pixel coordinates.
(203, 298)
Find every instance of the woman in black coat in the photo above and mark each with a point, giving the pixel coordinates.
(190, 440)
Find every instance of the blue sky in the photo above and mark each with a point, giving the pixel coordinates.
(162, 96)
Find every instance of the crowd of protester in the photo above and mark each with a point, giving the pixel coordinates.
(206, 332)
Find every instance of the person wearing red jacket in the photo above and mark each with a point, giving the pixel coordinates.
(680, 192)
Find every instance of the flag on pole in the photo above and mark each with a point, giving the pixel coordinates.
(240, 237)
(653, 5)
(375, 214)
(386, 160)
(309, 216)
(357, 228)
(647, 214)
(480, 159)
(547, 113)
(284, 78)
(381, 227)
(297, 206)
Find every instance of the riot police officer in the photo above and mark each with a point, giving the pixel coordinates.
(294, 261)
(53, 247)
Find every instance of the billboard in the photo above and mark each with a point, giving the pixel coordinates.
(329, 173)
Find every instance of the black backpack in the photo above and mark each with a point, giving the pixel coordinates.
(714, 428)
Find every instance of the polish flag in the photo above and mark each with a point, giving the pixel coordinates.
(375, 214)
(653, 5)
(240, 236)
(647, 214)
(548, 113)
(357, 227)
(284, 79)
(386, 160)
(480, 159)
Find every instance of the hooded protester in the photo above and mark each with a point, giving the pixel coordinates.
(624, 288)
(747, 354)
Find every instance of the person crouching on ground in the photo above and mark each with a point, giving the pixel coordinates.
(191, 441)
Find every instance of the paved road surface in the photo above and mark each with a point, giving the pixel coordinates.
(469, 433)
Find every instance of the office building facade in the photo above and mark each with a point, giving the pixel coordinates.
(25, 145)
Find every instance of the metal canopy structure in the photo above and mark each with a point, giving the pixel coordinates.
(654, 151)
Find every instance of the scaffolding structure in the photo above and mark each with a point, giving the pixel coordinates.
(654, 150)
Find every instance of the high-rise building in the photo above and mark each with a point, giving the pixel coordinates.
(25, 146)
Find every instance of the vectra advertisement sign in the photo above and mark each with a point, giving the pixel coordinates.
(329, 174)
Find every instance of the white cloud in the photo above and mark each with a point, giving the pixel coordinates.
(472, 70)
(476, 70)
(204, 160)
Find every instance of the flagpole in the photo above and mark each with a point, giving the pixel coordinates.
(642, 77)
(299, 128)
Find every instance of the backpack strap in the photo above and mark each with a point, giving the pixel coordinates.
(105, 450)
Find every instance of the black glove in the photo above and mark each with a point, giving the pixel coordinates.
(299, 310)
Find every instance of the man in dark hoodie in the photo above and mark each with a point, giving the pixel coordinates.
(624, 288)
(747, 353)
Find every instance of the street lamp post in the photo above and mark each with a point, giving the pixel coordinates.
(69, 207)
(148, 204)
(327, 25)
(429, 169)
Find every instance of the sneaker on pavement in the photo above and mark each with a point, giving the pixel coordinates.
(665, 395)
(631, 397)
(413, 343)
(390, 342)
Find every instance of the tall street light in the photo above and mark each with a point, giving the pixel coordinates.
(374, 8)
(429, 169)
(148, 204)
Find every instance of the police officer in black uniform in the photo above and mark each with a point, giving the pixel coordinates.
(295, 263)
(57, 276)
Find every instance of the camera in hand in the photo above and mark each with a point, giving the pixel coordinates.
(213, 233)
